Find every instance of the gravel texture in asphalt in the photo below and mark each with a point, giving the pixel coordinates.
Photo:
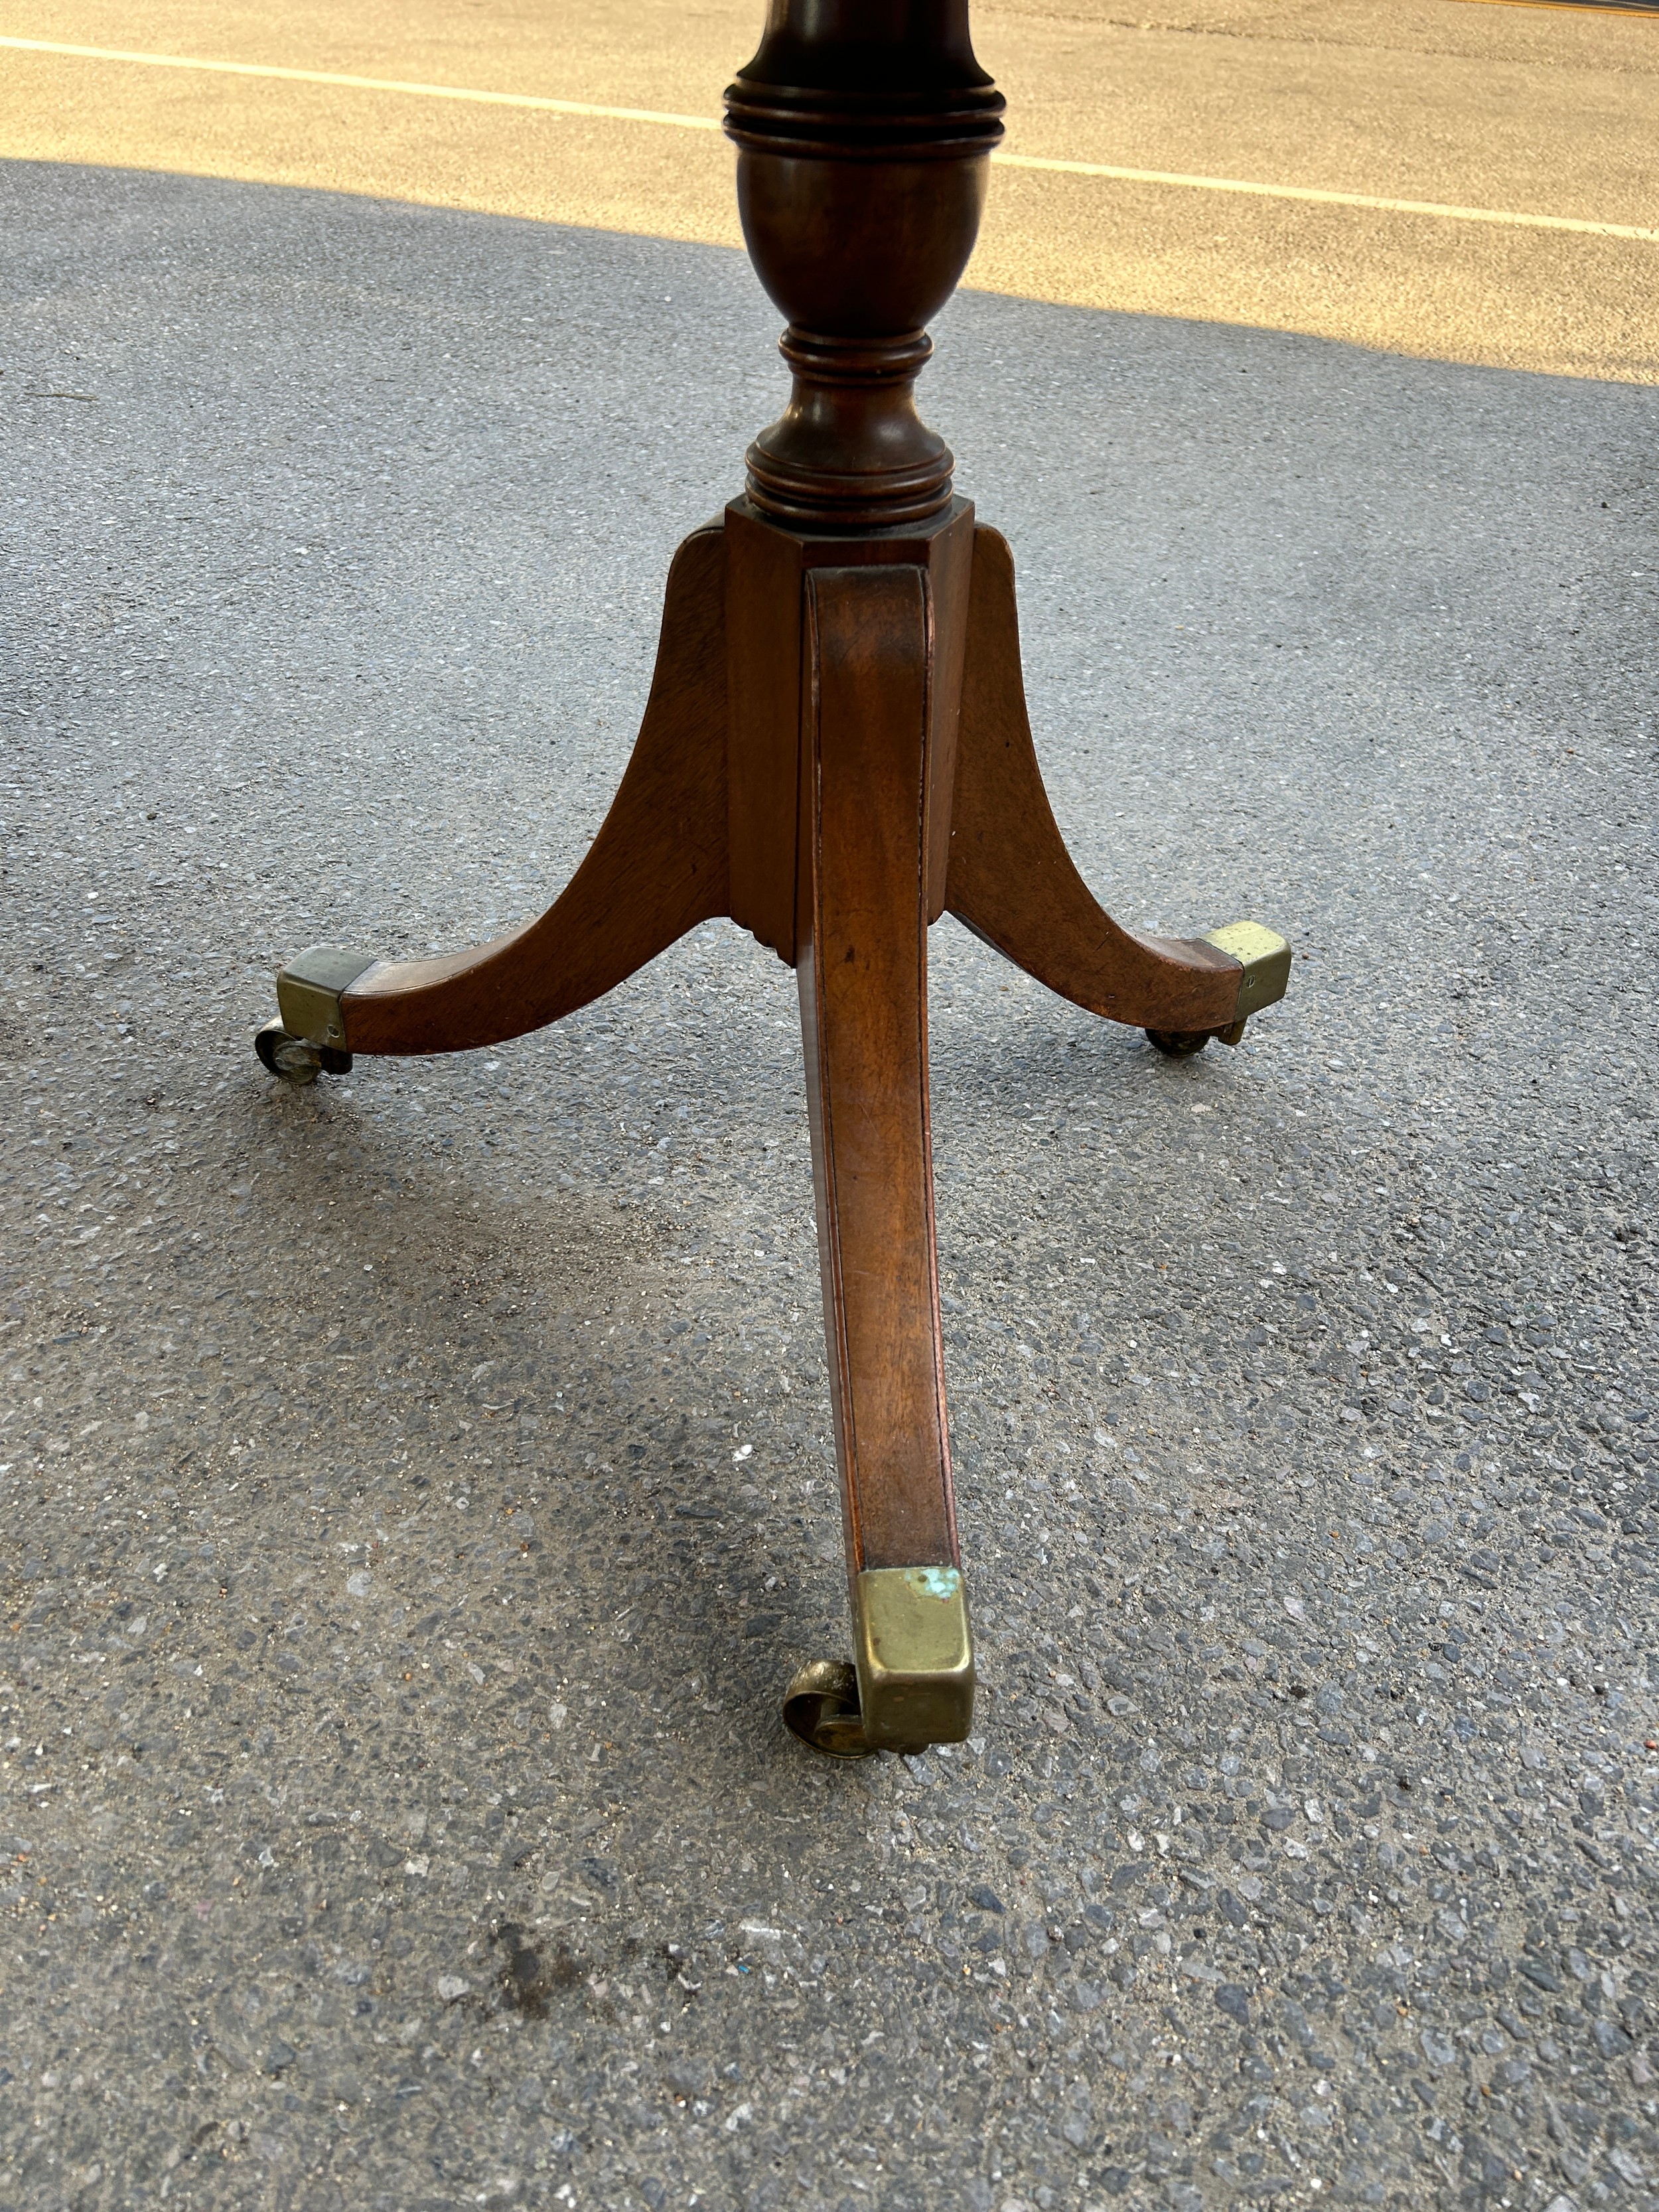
(418, 1489)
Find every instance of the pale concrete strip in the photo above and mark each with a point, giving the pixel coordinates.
(366, 84)
(1512, 218)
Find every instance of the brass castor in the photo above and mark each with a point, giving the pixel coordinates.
(821, 1707)
(297, 1060)
(307, 1037)
(1265, 957)
(913, 1684)
(1181, 1044)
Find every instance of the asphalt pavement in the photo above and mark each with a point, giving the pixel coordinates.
(417, 1490)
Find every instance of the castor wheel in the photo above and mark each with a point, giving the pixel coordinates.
(297, 1060)
(1179, 1044)
(821, 1707)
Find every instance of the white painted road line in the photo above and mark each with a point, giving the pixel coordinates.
(1519, 220)
(1513, 218)
(366, 84)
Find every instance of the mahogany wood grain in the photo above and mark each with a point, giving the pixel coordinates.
(870, 658)
(1011, 880)
(767, 563)
(657, 868)
(765, 568)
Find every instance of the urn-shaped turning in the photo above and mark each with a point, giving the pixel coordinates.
(863, 129)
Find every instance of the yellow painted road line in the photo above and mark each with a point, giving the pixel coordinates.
(1511, 217)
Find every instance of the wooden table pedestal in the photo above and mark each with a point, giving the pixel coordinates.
(836, 752)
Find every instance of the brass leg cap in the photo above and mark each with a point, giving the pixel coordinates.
(1264, 956)
(309, 990)
(821, 1707)
(914, 1655)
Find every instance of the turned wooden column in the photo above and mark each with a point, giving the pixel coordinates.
(863, 129)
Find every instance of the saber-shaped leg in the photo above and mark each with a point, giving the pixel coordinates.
(1014, 884)
(868, 739)
(657, 868)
